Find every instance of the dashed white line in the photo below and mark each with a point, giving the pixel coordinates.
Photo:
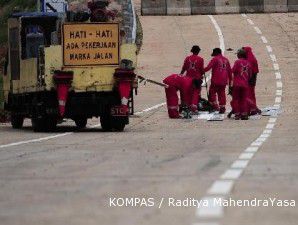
(279, 84)
(221, 187)
(279, 92)
(258, 30)
(247, 155)
(270, 126)
(273, 57)
(210, 210)
(267, 131)
(252, 149)
(240, 164)
(269, 48)
(278, 100)
(276, 66)
(278, 75)
(250, 22)
(231, 174)
(272, 120)
(264, 39)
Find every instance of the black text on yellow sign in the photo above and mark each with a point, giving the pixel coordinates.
(91, 44)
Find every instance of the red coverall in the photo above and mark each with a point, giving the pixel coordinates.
(188, 94)
(221, 76)
(194, 66)
(252, 102)
(242, 73)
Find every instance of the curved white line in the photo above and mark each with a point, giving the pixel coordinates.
(223, 186)
(219, 33)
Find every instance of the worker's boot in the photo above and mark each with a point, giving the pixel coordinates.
(230, 114)
(237, 116)
(244, 117)
(222, 110)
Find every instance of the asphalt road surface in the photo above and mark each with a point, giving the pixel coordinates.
(69, 177)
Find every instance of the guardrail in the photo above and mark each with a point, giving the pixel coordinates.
(194, 7)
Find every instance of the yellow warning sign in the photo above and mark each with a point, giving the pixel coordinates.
(91, 44)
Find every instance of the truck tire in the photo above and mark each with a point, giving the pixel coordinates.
(81, 122)
(106, 123)
(118, 123)
(17, 121)
(109, 123)
(44, 124)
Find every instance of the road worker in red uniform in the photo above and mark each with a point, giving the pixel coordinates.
(242, 73)
(194, 67)
(221, 76)
(252, 102)
(188, 88)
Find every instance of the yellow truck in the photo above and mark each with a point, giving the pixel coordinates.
(77, 70)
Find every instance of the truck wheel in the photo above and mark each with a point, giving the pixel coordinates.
(106, 123)
(118, 123)
(81, 123)
(44, 124)
(17, 121)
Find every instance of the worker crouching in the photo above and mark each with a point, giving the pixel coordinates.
(242, 73)
(221, 76)
(189, 93)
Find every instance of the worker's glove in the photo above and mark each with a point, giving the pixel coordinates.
(253, 80)
(230, 90)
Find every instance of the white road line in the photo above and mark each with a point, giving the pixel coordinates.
(240, 164)
(278, 92)
(244, 15)
(269, 48)
(276, 66)
(270, 126)
(265, 135)
(273, 57)
(258, 30)
(212, 209)
(264, 39)
(250, 21)
(221, 187)
(267, 131)
(272, 120)
(219, 33)
(278, 75)
(35, 140)
(278, 100)
(279, 84)
(252, 149)
(231, 174)
(247, 155)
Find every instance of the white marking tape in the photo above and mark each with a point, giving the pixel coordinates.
(267, 131)
(219, 33)
(279, 84)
